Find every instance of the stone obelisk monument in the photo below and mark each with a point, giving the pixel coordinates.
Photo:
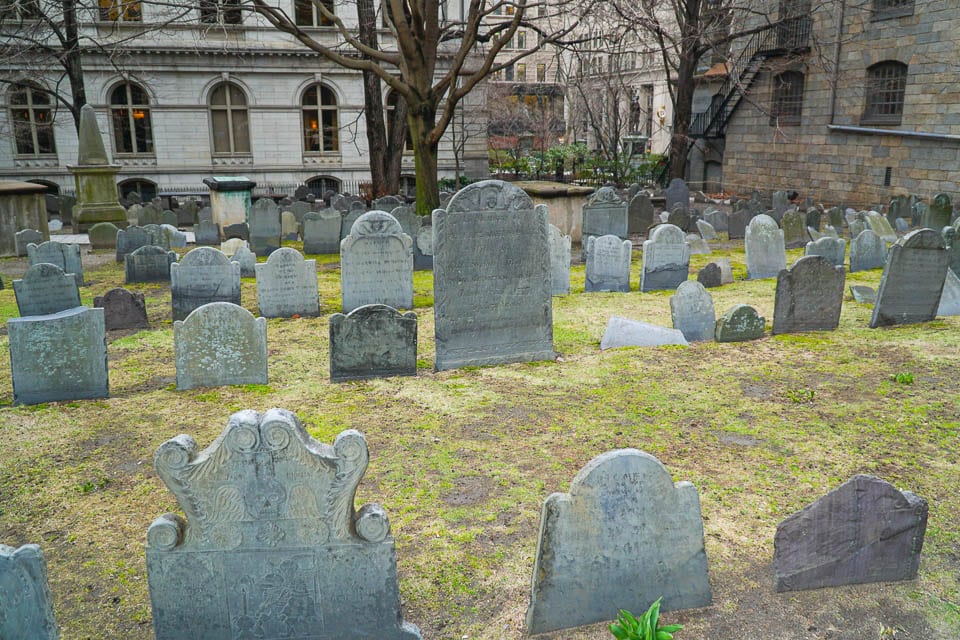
(97, 199)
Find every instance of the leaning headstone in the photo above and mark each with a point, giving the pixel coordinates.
(321, 232)
(220, 344)
(623, 536)
(863, 294)
(950, 296)
(691, 309)
(176, 239)
(698, 246)
(59, 356)
(899, 207)
(202, 276)
(123, 309)
(492, 282)
(833, 249)
(64, 255)
(881, 226)
(809, 296)
(912, 280)
(639, 214)
(939, 213)
(666, 259)
(206, 234)
(103, 235)
(709, 276)
(707, 232)
(717, 219)
(239, 230)
(247, 261)
(23, 239)
(130, 239)
(814, 235)
(26, 609)
(265, 229)
(830, 232)
(376, 263)
(623, 332)
(737, 224)
(287, 285)
(45, 289)
(677, 192)
(764, 247)
(373, 341)
(230, 247)
(604, 214)
(794, 230)
(726, 270)
(289, 228)
(740, 322)
(560, 248)
(148, 264)
(865, 530)
(608, 264)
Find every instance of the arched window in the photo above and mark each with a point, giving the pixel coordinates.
(228, 120)
(393, 119)
(321, 131)
(32, 121)
(787, 104)
(130, 112)
(146, 189)
(320, 185)
(886, 86)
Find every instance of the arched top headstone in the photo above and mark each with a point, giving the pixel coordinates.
(667, 234)
(489, 194)
(204, 257)
(27, 610)
(922, 239)
(376, 223)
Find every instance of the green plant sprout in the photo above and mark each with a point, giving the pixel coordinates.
(627, 627)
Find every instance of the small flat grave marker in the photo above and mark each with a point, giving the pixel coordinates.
(739, 323)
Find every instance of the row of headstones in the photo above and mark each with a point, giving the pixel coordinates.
(272, 545)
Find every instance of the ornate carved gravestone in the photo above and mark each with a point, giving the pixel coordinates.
(604, 214)
(265, 230)
(912, 280)
(66, 256)
(272, 547)
(666, 259)
(625, 535)
(691, 309)
(373, 341)
(376, 263)
(149, 264)
(321, 231)
(202, 276)
(833, 249)
(287, 285)
(26, 611)
(809, 296)
(740, 322)
(764, 248)
(608, 264)
(867, 251)
(220, 344)
(44, 289)
(560, 245)
(123, 309)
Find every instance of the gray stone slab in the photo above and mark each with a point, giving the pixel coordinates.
(265, 228)
(300, 209)
(272, 546)
(492, 283)
(409, 221)
(707, 232)
(881, 226)
(863, 294)
(899, 207)
(813, 218)
(698, 246)
(149, 214)
(833, 249)
(26, 608)
(177, 238)
(387, 203)
(123, 309)
(814, 235)
(45, 289)
(103, 235)
(679, 218)
(289, 227)
(206, 233)
(246, 259)
(64, 255)
(159, 236)
(666, 259)
(60, 356)
(764, 247)
(220, 344)
(867, 251)
(726, 270)
(130, 239)
(148, 264)
(834, 217)
(809, 296)
(346, 224)
(794, 229)
(205, 214)
(623, 536)
(950, 296)
(608, 264)
(639, 214)
(604, 214)
(938, 214)
(902, 225)
(24, 238)
(376, 263)
(287, 285)
(863, 531)
(168, 217)
(719, 220)
(321, 231)
(202, 276)
(677, 192)
(739, 323)
(709, 276)
(373, 341)
(780, 202)
(912, 280)
(692, 312)
(737, 224)
(623, 332)
(423, 247)
(239, 230)
(560, 250)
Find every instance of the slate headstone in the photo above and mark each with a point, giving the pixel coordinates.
(939, 213)
(103, 235)
(833, 249)
(813, 218)
(623, 332)
(247, 261)
(373, 341)
(691, 309)
(299, 209)
(809, 296)
(149, 214)
(639, 214)
(912, 280)
(863, 294)
(707, 232)
(950, 296)
(608, 264)
(187, 213)
(265, 229)
(289, 228)
(717, 219)
(220, 344)
(409, 221)
(64, 255)
(168, 217)
(130, 239)
(881, 226)
(26, 609)
(205, 214)
(794, 229)
(239, 230)
(560, 252)
(740, 322)
(149, 264)
(709, 276)
(24, 238)
(780, 203)
(45, 289)
(857, 222)
(666, 259)
(764, 247)
(123, 309)
(679, 218)
(347, 222)
(677, 192)
(202, 276)
(737, 224)
(321, 232)
(206, 234)
(604, 214)
(423, 247)
(376, 263)
(287, 285)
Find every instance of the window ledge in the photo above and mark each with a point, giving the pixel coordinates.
(881, 121)
(890, 14)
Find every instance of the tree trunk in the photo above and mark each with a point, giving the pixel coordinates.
(422, 120)
(72, 60)
(396, 144)
(682, 113)
(373, 105)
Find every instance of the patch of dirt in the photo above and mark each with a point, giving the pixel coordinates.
(756, 391)
(737, 439)
(467, 491)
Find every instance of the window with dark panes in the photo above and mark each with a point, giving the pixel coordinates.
(787, 104)
(892, 8)
(885, 90)
(32, 121)
(130, 114)
(307, 14)
(321, 130)
(221, 11)
(229, 121)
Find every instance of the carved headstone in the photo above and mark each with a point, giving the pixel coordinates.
(409, 221)
(608, 263)
(604, 214)
(103, 235)
(287, 285)
(206, 234)
(867, 251)
(321, 232)
(24, 238)
(348, 219)
(677, 192)
(376, 263)
(809, 296)
(265, 229)
(863, 294)
(220, 344)
(691, 309)
(123, 309)
(912, 280)
(560, 246)
(666, 259)
(148, 264)
(639, 214)
(373, 341)
(765, 252)
(794, 229)
(740, 322)
(130, 239)
(26, 609)
(833, 249)
(939, 213)
(64, 255)
(44, 289)
(202, 276)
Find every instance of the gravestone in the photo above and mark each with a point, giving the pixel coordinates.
(423, 246)
(230, 247)
(812, 220)
(265, 229)
(623, 536)
(764, 248)
(709, 276)
(131, 239)
(45, 289)
(939, 213)
(205, 214)
(953, 248)
(299, 209)
(187, 213)
(679, 218)
(717, 219)
(168, 217)
(26, 609)
(23, 239)
(133, 214)
(639, 214)
(287, 285)
(677, 192)
(59, 356)
(289, 229)
(863, 295)
(604, 214)
(492, 282)
(608, 264)
(239, 230)
(666, 259)
(737, 224)
(386, 203)
(321, 232)
(340, 202)
(833, 249)
(899, 207)
(123, 309)
(830, 232)
(857, 222)
(912, 280)
(149, 264)
(780, 203)
(726, 270)
(103, 235)
(740, 322)
(814, 235)
(691, 309)
(623, 332)
(206, 234)
(863, 531)
(698, 246)
(901, 225)
(348, 219)
(376, 263)
(64, 255)
(707, 232)
(247, 261)
(560, 248)
(881, 226)
(202, 276)
(917, 213)
(373, 341)
(220, 344)
(272, 546)
(149, 214)
(408, 219)
(950, 296)
(835, 217)
(54, 224)
(794, 229)
(809, 296)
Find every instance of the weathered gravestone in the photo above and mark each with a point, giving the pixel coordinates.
(373, 341)
(938, 214)
(386, 203)
(794, 229)
(863, 294)
(44, 289)
(205, 214)
(169, 217)
(679, 218)
(697, 245)
(737, 224)
(289, 228)
(677, 192)
(202, 276)
(287, 285)
(23, 239)
(608, 264)
(666, 259)
(206, 233)
(376, 263)
(60, 356)
(857, 222)
(492, 282)
(103, 235)
(123, 309)
(726, 270)
(953, 249)
(148, 264)
(709, 276)
(623, 332)
(814, 235)
(740, 322)
(809, 296)
(349, 218)
(239, 230)
(220, 344)
(691, 309)
(149, 214)
(230, 247)
(64, 255)
(764, 248)
(321, 231)
(902, 225)
(623, 536)
(604, 214)
(639, 214)
(175, 237)
(865, 530)
(780, 202)
(707, 232)
(423, 246)
(835, 217)
(247, 261)
(881, 226)
(409, 221)
(131, 239)
(912, 280)
(719, 220)
(812, 220)
(340, 202)
(265, 229)
(300, 209)
(833, 249)
(899, 207)
(133, 214)
(26, 609)
(272, 546)
(187, 213)
(560, 247)
(950, 296)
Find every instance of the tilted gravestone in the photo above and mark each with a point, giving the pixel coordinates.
(950, 296)
(737, 224)
(814, 235)
(373, 341)
(765, 252)
(560, 247)
(148, 264)
(492, 283)
(604, 214)
(865, 530)
(608, 264)
(709, 276)
(220, 344)
(794, 229)
(677, 192)
(719, 220)
(26, 609)
(881, 226)
(623, 332)
(60, 356)
(206, 233)
(272, 546)
(707, 232)
(809, 296)
(202, 276)
(103, 235)
(376, 263)
(623, 536)
(938, 214)
(912, 280)
(247, 261)
(23, 239)
(691, 309)
(175, 237)
(639, 214)
(738, 323)
(64, 255)
(287, 285)
(44, 289)
(321, 232)
(666, 259)
(265, 229)
(131, 239)
(123, 309)
(289, 228)
(833, 249)
(231, 246)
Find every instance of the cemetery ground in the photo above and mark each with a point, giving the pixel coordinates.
(462, 460)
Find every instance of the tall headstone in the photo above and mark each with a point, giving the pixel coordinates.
(912, 280)
(376, 263)
(608, 263)
(272, 545)
(666, 259)
(45, 289)
(794, 229)
(103, 235)
(220, 344)
(123, 309)
(691, 309)
(639, 214)
(809, 296)
(206, 234)
(604, 214)
(867, 251)
(321, 231)
(492, 283)
(24, 238)
(26, 609)
(373, 341)
(265, 229)
(202, 276)
(64, 255)
(739, 323)
(287, 285)
(833, 249)
(765, 252)
(148, 264)
(623, 536)
(939, 213)
(560, 248)
(677, 192)
(780, 204)
(95, 178)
